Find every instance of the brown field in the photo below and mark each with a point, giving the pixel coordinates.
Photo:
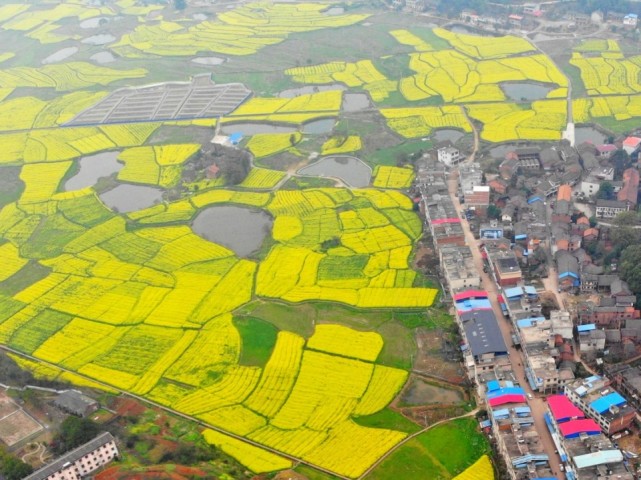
(7, 405)
(17, 426)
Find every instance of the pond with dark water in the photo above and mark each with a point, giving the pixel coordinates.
(351, 170)
(420, 393)
(208, 61)
(588, 134)
(237, 228)
(353, 102)
(92, 168)
(60, 55)
(129, 198)
(525, 91)
(101, 39)
(318, 127)
(102, 57)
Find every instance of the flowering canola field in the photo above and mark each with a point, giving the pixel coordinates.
(137, 302)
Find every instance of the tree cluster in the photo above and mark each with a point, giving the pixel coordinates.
(74, 431)
(12, 468)
(234, 164)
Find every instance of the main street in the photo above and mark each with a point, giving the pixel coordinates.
(487, 282)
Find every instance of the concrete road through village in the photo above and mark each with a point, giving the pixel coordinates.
(536, 404)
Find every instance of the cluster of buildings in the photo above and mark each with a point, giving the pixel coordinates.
(538, 227)
(574, 418)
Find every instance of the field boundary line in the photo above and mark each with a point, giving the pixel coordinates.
(183, 415)
(412, 436)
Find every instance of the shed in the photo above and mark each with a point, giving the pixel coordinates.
(76, 403)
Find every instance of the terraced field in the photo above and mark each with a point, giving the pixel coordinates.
(138, 302)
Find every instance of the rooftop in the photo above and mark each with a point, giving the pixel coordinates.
(71, 457)
(483, 332)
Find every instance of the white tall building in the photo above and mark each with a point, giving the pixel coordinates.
(449, 156)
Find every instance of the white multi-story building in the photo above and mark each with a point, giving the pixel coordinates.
(449, 156)
(80, 462)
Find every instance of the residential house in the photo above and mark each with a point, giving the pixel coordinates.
(529, 159)
(607, 407)
(515, 20)
(591, 339)
(610, 208)
(505, 267)
(459, 270)
(605, 150)
(630, 21)
(628, 381)
(631, 145)
(449, 155)
(630, 191)
(76, 403)
(80, 462)
(478, 199)
(470, 176)
(498, 185)
(567, 267)
(606, 313)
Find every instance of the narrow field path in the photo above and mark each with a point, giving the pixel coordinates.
(412, 436)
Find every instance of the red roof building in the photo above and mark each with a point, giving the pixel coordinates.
(631, 144)
(564, 193)
(563, 409)
(574, 428)
(630, 190)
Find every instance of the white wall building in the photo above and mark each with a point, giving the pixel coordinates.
(80, 462)
(449, 156)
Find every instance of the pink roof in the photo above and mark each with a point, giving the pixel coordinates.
(440, 221)
(503, 399)
(470, 294)
(574, 427)
(632, 141)
(563, 409)
(607, 147)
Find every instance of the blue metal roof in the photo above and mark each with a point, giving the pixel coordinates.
(604, 403)
(598, 458)
(501, 413)
(522, 410)
(534, 199)
(506, 391)
(568, 274)
(468, 305)
(236, 137)
(586, 328)
(485, 424)
(493, 385)
(529, 458)
(521, 236)
(513, 292)
(530, 290)
(529, 322)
